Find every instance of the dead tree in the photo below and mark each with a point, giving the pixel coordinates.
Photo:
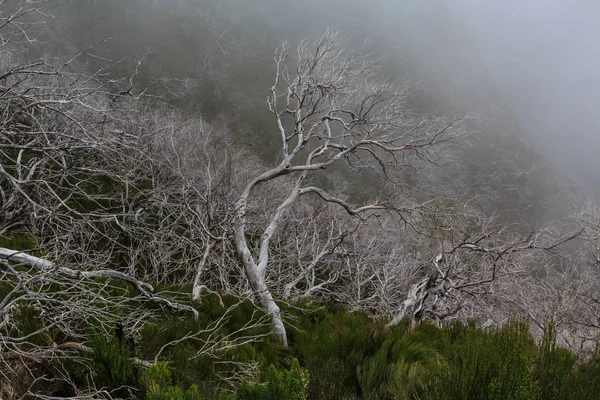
(331, 107)
(96, 189)
(474, 257)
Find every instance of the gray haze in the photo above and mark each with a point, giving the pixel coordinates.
(537, 58)
(544, 58)
(541, 58)
(535, 61)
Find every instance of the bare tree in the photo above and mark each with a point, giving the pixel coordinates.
(331, 107)
(577, 282)
(475, 257)
(99, 184)
(307, 253)
(381, 259)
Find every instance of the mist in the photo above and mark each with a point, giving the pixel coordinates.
(535, 59)
(542, 58)
(524, 69)
(538, 59)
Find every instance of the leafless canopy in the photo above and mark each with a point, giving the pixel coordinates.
(331, 106)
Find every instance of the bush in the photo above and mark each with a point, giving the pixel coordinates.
(484, 364)
(158, 382)
(350, 356)
(397, 369)
(279, 385)
(332, 345)
(111, 363)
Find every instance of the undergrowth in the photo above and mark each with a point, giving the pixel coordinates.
(334, 355)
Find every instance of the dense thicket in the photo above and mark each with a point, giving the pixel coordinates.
(333, 354)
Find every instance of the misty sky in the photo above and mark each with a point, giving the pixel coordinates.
(544, 57)
(539, 57)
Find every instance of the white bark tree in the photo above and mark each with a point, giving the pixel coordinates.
(99, 184)
(579, 304)
(331, 107)
(475, 258)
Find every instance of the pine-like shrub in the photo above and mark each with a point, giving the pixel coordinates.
(285, 384)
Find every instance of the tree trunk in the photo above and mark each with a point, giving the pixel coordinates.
(262, 292)
(268, 303)
(256, 273)
(197, 288)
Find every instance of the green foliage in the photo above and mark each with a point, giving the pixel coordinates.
(111, 362)
(158, 382)
(289, 384)
(349, 356)
(553, 367)
(558, 374)
(185, 365)
(18, 241)
(377, 372)
(495, 364)
(587, 375)
(332, 345)
(397, 368)
(352, 356)
(29, 324)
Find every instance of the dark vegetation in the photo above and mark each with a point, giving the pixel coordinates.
(333, 354)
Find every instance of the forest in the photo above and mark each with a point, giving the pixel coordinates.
(205, 199)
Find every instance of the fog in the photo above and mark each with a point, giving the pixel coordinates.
(543, 57)
(538, 59)
(530, 64)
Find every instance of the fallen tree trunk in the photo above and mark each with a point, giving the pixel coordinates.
(144, 289)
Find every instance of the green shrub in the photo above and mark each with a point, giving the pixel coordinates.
(28, 321)
(186, 366)
(19, 241)
(554, 368)
(350, 356)
(332, 345)
(587, 376)
(111, 363)
(484, 364)
(397, 368)
(279, 385)
(158, 383)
